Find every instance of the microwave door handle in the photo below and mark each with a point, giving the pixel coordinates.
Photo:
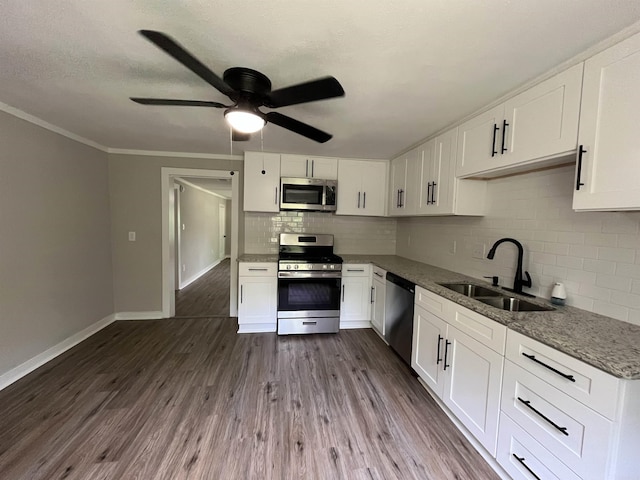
(312, 167)
(306, 170)
(276, 199)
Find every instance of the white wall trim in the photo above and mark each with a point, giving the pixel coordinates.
(30, 365)
(355, 324)
(155, 153)
(138, 316)
(197, 187)
(196, 276)
(46, 125)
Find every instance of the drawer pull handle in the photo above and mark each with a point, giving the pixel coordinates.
(355, 269)
(257, 269)
(565, 375)
(555, 425)
(379, 274)
(309, 323)
(438, 359)
(521, 460)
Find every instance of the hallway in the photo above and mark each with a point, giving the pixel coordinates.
(208, 296)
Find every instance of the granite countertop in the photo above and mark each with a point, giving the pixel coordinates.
(606, 343)
(259, 257)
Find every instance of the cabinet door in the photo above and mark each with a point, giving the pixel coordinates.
(350, 175)
(426, 172)
(356, 299)
(438, 197)
(472, 386)
(377, 309)
(427, 353)
(257, 304)
(609, 119)
(479, 142)
(294, 166)
(261, 191)
(374, 188)
(543, 120)
(323, 167)
(397, 184)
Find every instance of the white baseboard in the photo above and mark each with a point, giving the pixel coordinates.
(139, 316)
(355, 324)
(257, 327)
(29, 366)
(196, 276)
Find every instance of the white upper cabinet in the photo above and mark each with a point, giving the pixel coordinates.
(441, 193)
(536, 125)
(404, 183)
(261, 182)
(301, 166)
(362, 187)
(608, 166)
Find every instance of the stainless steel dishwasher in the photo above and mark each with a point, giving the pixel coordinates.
(399, 315)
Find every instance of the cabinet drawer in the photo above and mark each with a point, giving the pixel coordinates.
(587, 384)
(522, 457)
(356, 270)
(379, 273)
(431, 302)
(257, 269)
(483, 329)
(577, 435)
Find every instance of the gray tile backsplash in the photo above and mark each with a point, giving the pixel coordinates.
(367, 235)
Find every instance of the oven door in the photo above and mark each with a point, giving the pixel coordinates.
(308, 294)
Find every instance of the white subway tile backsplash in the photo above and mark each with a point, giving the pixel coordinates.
(596, 254)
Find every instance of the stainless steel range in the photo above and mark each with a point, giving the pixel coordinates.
(309, 282)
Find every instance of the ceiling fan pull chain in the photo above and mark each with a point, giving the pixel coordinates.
(230, 141)
(262, 150)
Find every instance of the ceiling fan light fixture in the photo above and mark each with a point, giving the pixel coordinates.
(244, 121)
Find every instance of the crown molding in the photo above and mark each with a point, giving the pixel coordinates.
(48, 126)
(154, 153)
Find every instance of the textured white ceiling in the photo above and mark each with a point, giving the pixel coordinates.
(409, 68)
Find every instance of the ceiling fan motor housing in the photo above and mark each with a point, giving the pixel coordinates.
(246, 80)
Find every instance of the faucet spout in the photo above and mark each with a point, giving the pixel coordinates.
(518, 281)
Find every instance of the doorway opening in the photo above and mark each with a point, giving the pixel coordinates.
(202, 272)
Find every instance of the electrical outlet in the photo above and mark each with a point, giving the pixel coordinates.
(452, 248)
(478, 250)
(184, 267)
(132, 236)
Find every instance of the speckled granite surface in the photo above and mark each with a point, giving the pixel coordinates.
(258, 257)
(608, 344)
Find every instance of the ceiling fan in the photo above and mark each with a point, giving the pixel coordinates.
(248, 90)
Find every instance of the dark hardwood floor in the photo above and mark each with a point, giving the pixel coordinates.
(190, 398)
(208, 296)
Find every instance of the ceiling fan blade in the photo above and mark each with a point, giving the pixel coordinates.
(239, 136)
(320, 89)
(177, 103)
(297, 127)
(177, 51)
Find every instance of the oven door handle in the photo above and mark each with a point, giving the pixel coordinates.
(309, 274)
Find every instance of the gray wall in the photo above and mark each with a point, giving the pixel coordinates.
(55, 252)
(199, 241)
(135, 187)
(596, 254)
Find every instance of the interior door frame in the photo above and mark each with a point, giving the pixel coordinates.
(168, 174)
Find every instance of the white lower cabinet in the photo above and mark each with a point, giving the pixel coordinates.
(463, 371)
(355, 300)
(257, 297)
(378, 294)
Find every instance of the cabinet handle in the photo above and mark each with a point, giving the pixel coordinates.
(258, 269)
(398, 198)
(358, 199)
(276, 202)
(564, 375)
(373, 289)
(521, 460)
(429, 193)
(433, 193)
(504, 135)
(544, 417)
(364, 199)
(438, 359)
(342, 293)
(241, 293)
(355, 269)
(379, 274)
(401, 198)
(494, 152)
(581, 151)
(313, 162)
(446, 351)
(306, 170)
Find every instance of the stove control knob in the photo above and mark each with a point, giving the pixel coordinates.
(332, 267)
(324, 267)
(288, 267)
(296, 267)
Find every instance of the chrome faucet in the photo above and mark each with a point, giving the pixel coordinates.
(518, 281)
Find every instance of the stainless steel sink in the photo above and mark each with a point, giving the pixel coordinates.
(471, 290)
(514, 304)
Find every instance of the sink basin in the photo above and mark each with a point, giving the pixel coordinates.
(514, 304)
(471, 290)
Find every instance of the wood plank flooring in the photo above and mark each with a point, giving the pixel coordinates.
(208, 296)
(190, 398)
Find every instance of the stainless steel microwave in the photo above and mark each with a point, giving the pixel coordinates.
(308, 194)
